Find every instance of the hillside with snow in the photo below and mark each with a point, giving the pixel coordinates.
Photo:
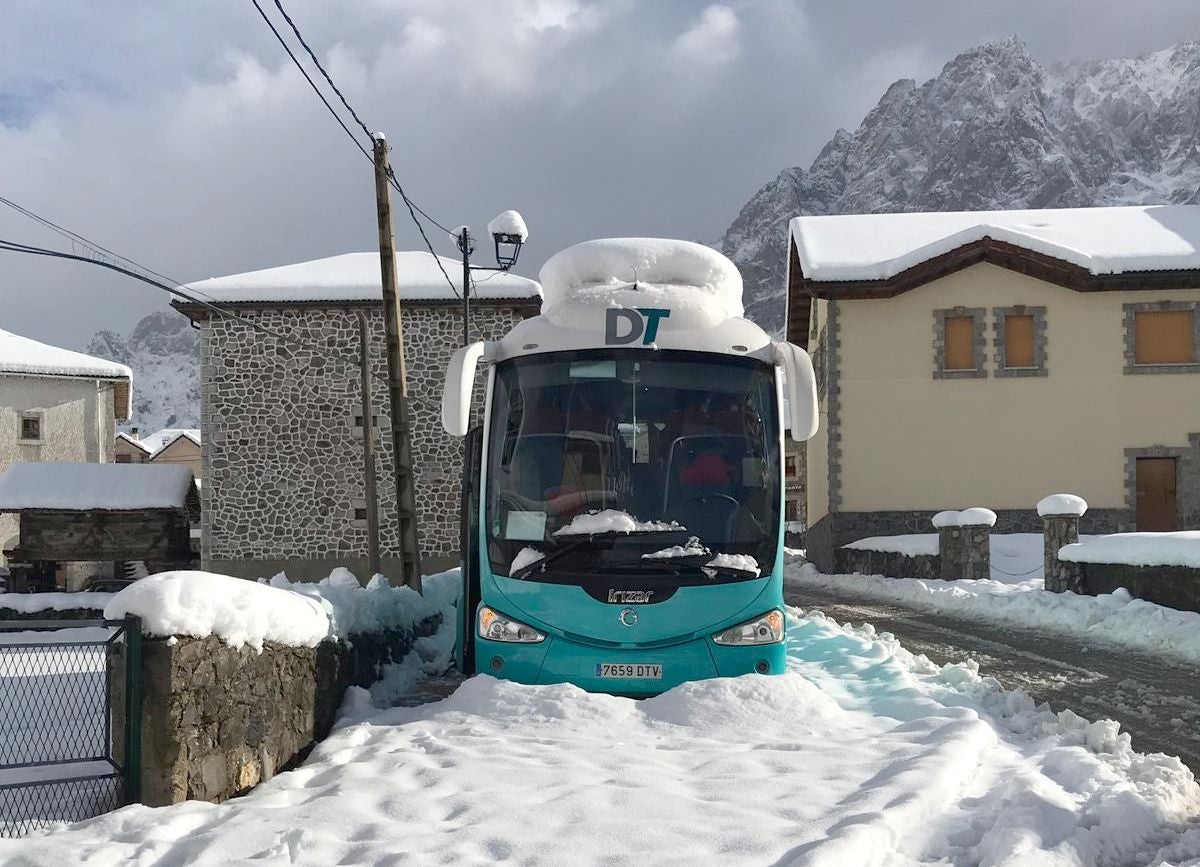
(163, 350)
(995, 129)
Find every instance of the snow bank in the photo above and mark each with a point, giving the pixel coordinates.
(353, 608)
(241, 612)
(1109, 619)
(1062, 504)
(613, 521)
(1100, 240)
(200, 604)
(1137, 549)
(908, 545)
(22, 355)
(355, 277)
(662, 269)
(509, 223)
(94, 486)
(30, 603)
(860, 754)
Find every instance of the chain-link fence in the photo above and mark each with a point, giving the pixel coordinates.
(70, 710)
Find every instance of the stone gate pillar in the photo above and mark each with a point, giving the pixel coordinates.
(950, 545)
(1060, 515)
(976, 525)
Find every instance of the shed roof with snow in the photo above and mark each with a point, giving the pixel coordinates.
(355, 277)
(54, 486)
(1085, 249)
(22, 356)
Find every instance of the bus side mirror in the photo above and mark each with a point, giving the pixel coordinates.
(460, 380)
(800, 390)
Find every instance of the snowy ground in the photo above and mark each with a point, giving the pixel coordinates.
(860, 755)
(1112, 618)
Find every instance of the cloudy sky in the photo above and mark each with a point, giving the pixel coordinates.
(178, 133)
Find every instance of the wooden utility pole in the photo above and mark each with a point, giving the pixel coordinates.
(406, 504)
(368, 429)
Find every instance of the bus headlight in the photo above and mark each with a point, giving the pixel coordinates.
(494, 626)
(764, 629)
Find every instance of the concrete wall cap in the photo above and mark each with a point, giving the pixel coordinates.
(1062, 504)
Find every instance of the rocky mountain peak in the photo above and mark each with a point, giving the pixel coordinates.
(994, 129)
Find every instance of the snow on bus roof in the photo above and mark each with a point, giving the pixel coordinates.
(355, 277)
(680, 269)
(22, 355)
(1100, 240)
(72, 486)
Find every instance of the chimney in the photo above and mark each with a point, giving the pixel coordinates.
(133, 432)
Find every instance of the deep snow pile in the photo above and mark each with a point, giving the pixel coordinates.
(861, 754)
(238, 611)
(1138, 549)
(1110, 618)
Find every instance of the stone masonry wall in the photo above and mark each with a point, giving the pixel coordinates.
(219, 720)
(282, 455)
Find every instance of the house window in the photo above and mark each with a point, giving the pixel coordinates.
(1020, 340)
(358, 512)
(959, 343)
(1162, 337)
(31, 427)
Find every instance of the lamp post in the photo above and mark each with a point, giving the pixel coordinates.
(508, 233)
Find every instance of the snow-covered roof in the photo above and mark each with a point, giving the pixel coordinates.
(156, 442)
(94, 486)
(355, 277)
(22, 355)
(133, 441)
(1099, 240)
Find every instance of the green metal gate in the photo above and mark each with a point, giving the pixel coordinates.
(70, 720)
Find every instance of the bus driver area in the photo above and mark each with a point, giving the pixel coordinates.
(623, 529)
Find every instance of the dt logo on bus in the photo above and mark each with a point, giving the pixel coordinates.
(626, 324)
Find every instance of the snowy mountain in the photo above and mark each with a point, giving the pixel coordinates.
(994, 130)
(162, 350)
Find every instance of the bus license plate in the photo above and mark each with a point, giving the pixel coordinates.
(627, 671)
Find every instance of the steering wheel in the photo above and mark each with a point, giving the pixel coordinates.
(705, 499)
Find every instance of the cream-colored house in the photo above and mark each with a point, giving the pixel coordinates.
(991, 358)
(56, 405)
(171, 445)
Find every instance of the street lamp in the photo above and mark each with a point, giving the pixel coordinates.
(508, 233)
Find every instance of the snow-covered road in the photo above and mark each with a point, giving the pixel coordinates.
(860, 755)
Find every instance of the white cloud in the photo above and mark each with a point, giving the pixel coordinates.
(712, 39)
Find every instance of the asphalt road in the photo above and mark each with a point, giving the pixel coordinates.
(1155, 699)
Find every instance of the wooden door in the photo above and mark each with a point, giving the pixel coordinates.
(1156, 506)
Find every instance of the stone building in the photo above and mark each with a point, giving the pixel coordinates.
(281, 420)
(56, 405)
(992, 358)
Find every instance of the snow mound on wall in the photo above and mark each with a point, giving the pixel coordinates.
(1062, 504)
(238, 611)
(1137, 549)
(352, 608)
(28, 603)
(664, 270)
(973, 517)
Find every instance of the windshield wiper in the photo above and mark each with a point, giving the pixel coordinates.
(608, 536)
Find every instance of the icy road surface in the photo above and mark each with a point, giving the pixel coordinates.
(860, 755)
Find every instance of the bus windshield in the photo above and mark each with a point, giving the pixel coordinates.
(682, 446)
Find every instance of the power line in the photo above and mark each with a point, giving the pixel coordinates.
(412, 207)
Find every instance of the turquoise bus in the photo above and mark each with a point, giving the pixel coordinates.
(623, 496)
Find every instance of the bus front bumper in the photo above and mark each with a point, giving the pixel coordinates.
(559, 660)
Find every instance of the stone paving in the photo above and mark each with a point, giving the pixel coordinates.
(1156, 699)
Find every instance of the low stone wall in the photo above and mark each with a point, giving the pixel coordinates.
(51, 614)
(219, 720)
(890, 563)
(1174, 586)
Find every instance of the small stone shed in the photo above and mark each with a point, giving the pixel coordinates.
(281, 419)
(94, 516)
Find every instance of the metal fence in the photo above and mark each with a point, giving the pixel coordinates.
(70, 720)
